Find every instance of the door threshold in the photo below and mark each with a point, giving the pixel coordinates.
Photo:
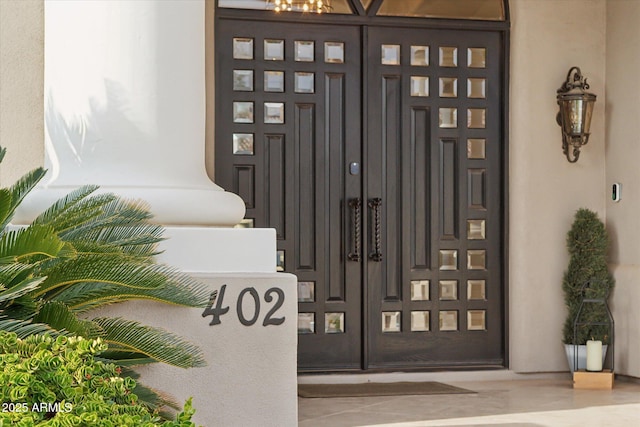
(451, 376)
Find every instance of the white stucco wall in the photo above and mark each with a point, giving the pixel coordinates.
(622, 155)
(21, 86)
(547, 38)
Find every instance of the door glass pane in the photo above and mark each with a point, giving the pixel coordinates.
(475, 229)
(243, 80)
(448, 87)
(390, 321)
(448, 290)
(243, 112)
(476, 88)
(274, 112)
(476, 259)
(449, 320)
(448, 259)
(306, 291)
(243, 144)
(476, 118)
(419, 290)
(489, 10)
(366, 3)
(390, 54)
(476, 290)
(274, 81)
(304, 51)
(448, 56)
(419, 86)
(304, 83)
(419, 321)
(242, 48)
(334, 52)
(476, 148)
(476, 320)
(476, 57)
(334, 323)
(306, 323)
(245, 223)
(274, 50)
(280, 261)
(448, 117)
(420, 56)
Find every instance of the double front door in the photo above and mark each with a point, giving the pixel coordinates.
(375, 153)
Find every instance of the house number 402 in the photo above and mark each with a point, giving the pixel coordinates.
(269, 319)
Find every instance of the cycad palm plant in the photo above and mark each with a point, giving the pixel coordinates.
(86, 251)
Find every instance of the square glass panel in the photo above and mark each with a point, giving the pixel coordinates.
(475, 229)
(243, 112)
(449, 320)
(274, 81)
(448, 259)
(476, 320)
(448, 290)
(334, 52)
(419, 86)
(243, 80)
(242, 48)
(334, 323)
(274, 50)
(280, 261)
(448, 117)
(477, 57)
(476, 118)
(476, 259)
(448, 87)
(304, 82)
(306, 291)
(390, 54)
(476, 290)
(419, 290)
(419, 321)
(420, 56)
(476, 88)
(303, 51)
(476, 148)
(245, 223)
(306, 323)
(274, 112)
(448, 56)
(243, 144)
(390, 321)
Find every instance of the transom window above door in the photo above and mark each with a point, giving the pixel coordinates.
(484, 10)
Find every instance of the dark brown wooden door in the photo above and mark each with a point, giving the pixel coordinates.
(433, 145)
(375, 153)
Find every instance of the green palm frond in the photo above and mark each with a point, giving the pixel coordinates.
(3, 151)
(156, 343)
(79, 213)
(126, 358)
(19, 190)
(33, 243)
(137, 240)
(116, 212)
(5, 204)
(24, 328)
(86, 296)
(20, 289)
(57, 214)
(14, 272)
(121, 271)
(58, 316)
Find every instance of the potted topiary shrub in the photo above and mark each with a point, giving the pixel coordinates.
(587, 243)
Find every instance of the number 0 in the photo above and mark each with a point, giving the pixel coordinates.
(256, 313)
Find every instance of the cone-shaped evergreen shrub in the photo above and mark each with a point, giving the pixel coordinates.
(587, 242)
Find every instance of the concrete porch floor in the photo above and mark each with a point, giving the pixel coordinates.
(540, 400)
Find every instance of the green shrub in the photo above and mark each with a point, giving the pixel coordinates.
(46, 381)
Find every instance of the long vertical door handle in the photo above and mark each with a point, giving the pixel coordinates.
(355, 205)
(375, 204)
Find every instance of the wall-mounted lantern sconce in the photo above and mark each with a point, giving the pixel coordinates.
(576, 108)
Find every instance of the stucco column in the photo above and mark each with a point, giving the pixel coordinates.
(125, 108)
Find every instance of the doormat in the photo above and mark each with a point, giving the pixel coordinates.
(378, 389)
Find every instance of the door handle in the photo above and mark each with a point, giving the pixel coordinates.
(375, 204)
(354, 254)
